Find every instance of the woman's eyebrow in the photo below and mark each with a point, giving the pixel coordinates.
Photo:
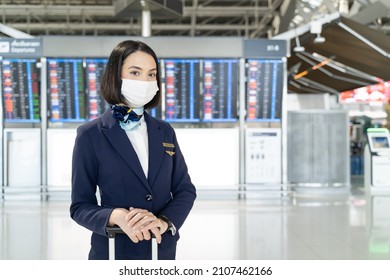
(133, 66)
(140, 68)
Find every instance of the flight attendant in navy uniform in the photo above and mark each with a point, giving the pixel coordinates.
(134, 161)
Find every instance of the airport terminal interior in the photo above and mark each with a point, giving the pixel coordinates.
(281, 109)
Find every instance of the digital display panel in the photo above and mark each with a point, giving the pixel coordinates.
(66, 90)
(220, 90)
(156, 112)
(373, 93)
(20, 88)
(264, 90)
(96, 104)
(182, 85)
(380, 142)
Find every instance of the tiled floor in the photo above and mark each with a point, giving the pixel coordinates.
(301, 224)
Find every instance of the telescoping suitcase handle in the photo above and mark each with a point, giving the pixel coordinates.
(112, 231)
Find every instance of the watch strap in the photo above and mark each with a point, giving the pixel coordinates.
(171, 226)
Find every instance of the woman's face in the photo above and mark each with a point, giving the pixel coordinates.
(139, 66)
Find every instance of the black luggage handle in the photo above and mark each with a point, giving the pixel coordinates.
(114, 230)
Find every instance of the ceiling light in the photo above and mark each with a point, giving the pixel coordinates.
(298, 47)
(319, 39)
(316, 28)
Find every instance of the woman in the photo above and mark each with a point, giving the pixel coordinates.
(135, 160)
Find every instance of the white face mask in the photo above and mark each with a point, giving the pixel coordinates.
(138, 93)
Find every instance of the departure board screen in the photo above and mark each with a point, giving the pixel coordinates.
(264, 90)
(20, 88)
(96, 104)
(156, 112)
(182, 84)
(66, 89)
(220, 90)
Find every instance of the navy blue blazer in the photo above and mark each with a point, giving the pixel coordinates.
(103, 156)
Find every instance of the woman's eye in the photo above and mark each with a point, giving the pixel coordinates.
(134, 73)
(153, 75)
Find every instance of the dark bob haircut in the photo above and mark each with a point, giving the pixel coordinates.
(111, 82)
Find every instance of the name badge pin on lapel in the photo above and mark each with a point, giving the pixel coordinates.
(169, 145)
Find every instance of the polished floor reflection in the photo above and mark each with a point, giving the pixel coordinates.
(300, 225)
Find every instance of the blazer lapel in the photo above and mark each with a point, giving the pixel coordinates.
(119, 140)
(156, 149)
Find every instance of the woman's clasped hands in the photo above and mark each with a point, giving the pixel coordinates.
(141, 224)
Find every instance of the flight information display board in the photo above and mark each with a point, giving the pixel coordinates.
(220, 90)
(182, 84)
(66, 90)
(264, 90)
(156, 112)
(96, 104)
(20, 88)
